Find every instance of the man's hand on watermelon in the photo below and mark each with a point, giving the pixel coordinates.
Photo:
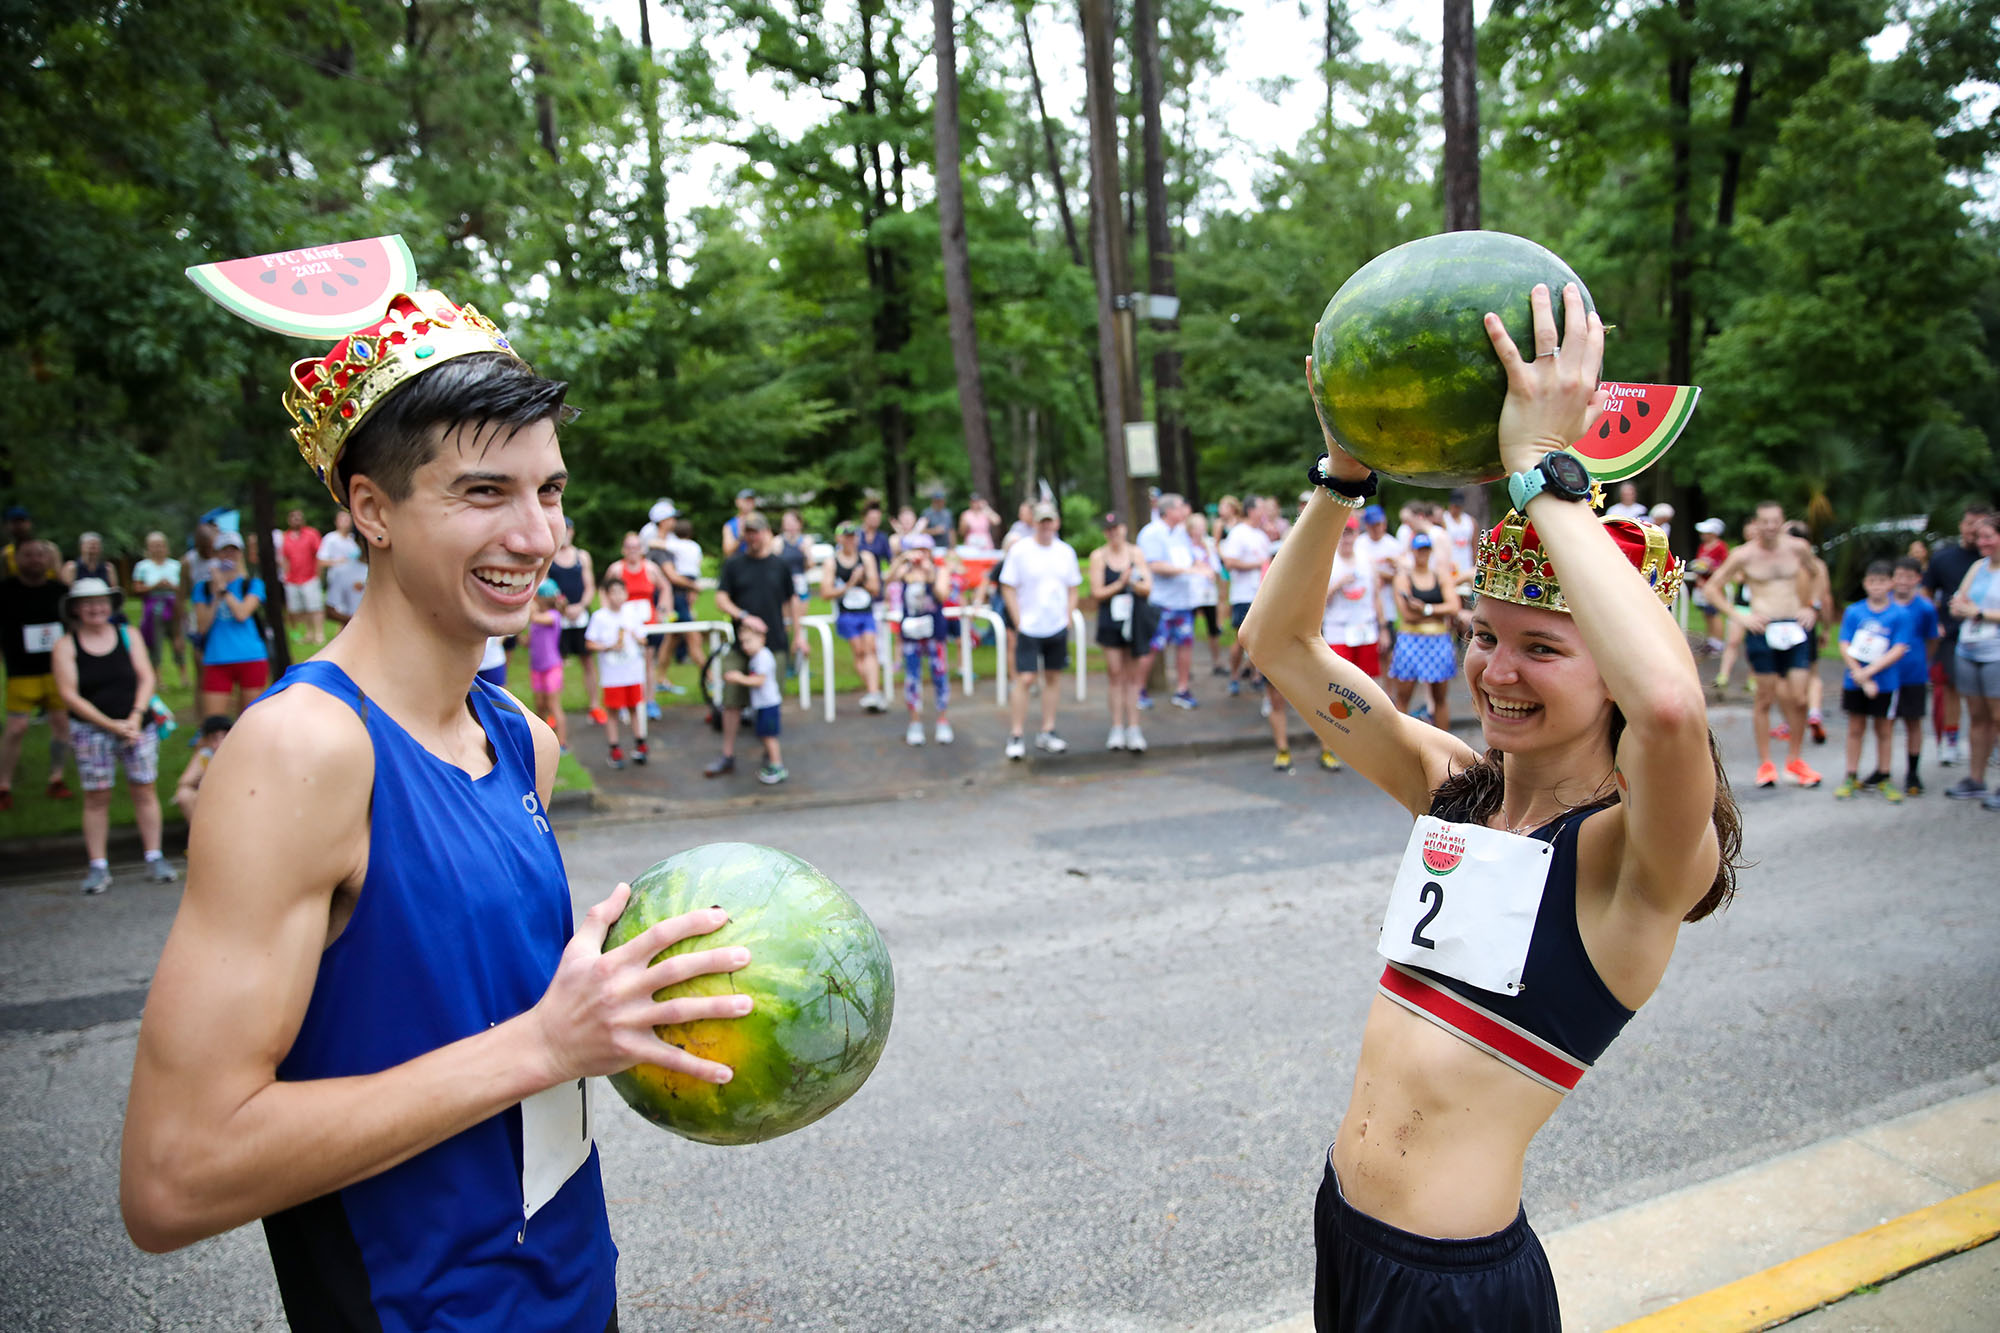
(1340, 465)
(1553, 394)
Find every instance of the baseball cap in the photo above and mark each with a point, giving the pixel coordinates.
(756, 523)
(1661, 511)
(847, 530)
(16, 512)
(1112, 520)
(747, 493)
(662, 511)
(1714, 527)
(1372, 514)
(1045, 510)
(1420, 541)
(548, 589)
(228, 538)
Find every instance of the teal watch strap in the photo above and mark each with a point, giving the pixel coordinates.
(1525, 486)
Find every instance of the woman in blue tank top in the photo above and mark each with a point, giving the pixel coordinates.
(373, 1022)
(1539, 899)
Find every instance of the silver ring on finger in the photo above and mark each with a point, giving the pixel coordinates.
(1551, 352)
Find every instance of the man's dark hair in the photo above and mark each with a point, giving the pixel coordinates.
(1911, 563)
(875, 505)
(1878, 569)
(486, 390)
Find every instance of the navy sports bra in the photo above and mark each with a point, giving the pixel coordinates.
(1564, 1017)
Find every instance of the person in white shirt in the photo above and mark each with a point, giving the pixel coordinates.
(1628, 505)
(1245, 550)
(617, 635)
(1384, 556)
(340, 568)
(1039, 579)
(1207, 588)
(1169, 553)
(658, 528)
(157, 580)
(1460, 530)
(1661, 516)
(682, 570)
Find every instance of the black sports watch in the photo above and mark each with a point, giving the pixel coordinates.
(1352, 494)
(1560, 473)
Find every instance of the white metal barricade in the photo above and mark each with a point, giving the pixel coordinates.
(1081, 647)
(823, 624)
(965, 615)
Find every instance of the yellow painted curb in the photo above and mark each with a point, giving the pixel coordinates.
(1775, 1295)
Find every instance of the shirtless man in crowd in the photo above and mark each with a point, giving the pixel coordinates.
(1780, 573)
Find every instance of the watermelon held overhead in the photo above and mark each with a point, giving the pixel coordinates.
(323, 292)
(823, 989)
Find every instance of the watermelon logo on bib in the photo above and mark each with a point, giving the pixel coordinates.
(1443, 850)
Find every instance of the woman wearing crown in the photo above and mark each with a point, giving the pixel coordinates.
(1538, 903)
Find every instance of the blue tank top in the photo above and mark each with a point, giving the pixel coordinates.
(461, 919)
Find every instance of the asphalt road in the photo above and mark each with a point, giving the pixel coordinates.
(1128, 1009)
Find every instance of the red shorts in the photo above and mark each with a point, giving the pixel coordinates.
(624, 696)
(1367, 656)
(222, 677)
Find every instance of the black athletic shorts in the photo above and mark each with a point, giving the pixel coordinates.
(570, 643)
(1238, 610)
(1855, 703)
(1374, 1278)
(1910, 703)
(1044, 653)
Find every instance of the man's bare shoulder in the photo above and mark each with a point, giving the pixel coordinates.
(305, 730)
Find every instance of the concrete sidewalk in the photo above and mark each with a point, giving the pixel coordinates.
(1735, 1254)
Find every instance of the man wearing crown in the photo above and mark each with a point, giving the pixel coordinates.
(1539, 900)
(374, 1017)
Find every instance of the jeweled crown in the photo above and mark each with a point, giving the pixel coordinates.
(1511, 565)
(330, 395)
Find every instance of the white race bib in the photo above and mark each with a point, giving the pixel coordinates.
(855, 599)
(1976, 631)
(1868, 645)
(1360, 632)
(916, 627)
(1783, 634)
(1121, 608)
(41, 638)
(800, 588)
(1464, 903)
(555, 1141)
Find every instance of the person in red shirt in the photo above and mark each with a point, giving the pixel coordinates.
(305, 602)
(1708, 558)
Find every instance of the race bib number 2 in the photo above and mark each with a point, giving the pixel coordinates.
(555, 1141)
(1464, 903)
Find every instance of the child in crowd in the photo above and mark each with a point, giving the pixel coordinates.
(616, 633)
(213, 729)
(767, 700)
(1872, 642)
(1913, 673)
(545, 663)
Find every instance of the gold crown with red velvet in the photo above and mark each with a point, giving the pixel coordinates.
(330, 395)
(1511, 565)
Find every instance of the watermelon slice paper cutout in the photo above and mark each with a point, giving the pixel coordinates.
(1640, 423)
(324, 292)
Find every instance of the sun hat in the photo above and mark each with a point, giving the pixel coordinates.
(228, 538)
(89, 588)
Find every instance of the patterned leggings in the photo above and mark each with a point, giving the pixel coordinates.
(914, 655)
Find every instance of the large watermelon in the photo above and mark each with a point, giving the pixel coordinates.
(1407, 377)
(818, 972)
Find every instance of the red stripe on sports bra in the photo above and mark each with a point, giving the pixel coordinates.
(1489, 1032)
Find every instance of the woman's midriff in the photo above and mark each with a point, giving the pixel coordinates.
(1436, 1131)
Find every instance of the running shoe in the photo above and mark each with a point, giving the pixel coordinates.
(1235, 688)
(1799, 771)
(772, 774)
(1992, 801)
(1145, 701)
(159, 872)
(1914, 787)
(1116, 740)
(1948, 750)
(720, 765)
(1846, 790)
(1282, 761)
(1050, 743)
(1767, 774)
(1966, 789)
(652, 710)
(1016, 748)
(1890, 793)
(668, 687)
(914, 733)
(599, 716)
(1817, 726)
(59, 790)
(1135, 739)
(1186, 699)
(617, 759)
(944, 735)
(1781, 731)
(639, 754)
(1329, 761)
(1264, 707)
(96, 880)
(1218, 670)
(1722, 684)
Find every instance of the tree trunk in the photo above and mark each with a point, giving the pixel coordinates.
(1176, 453)
(1107, 248)
(1680, 250)
(957, 260)
(1049, 147)
(654, 196)
(1461, 119)
(545, 107)
(891, 322)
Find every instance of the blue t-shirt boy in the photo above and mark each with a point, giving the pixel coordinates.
(1867, 633)
(1920, 621)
